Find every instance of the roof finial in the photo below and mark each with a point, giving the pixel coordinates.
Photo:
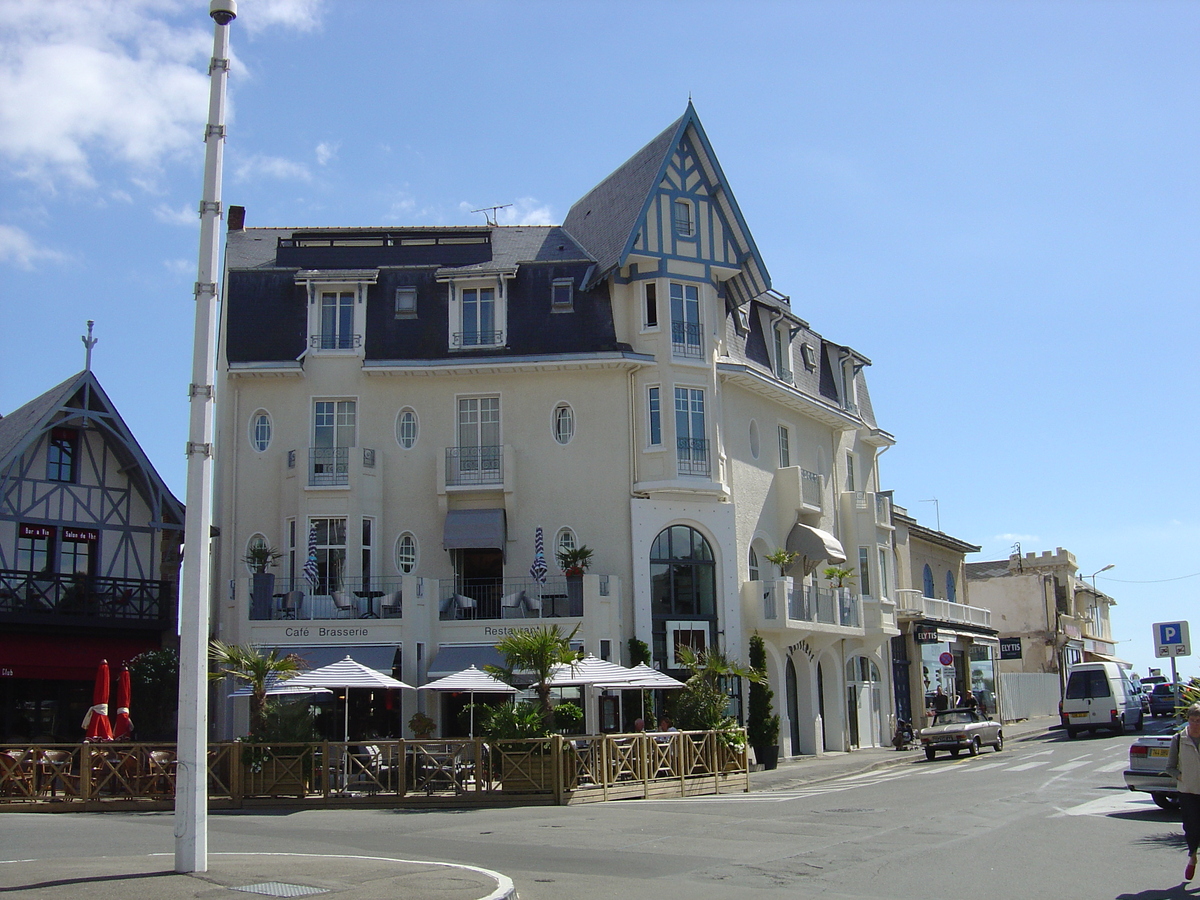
(89, 342)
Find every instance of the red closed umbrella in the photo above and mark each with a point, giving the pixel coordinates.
(95, 724)
(122, 725)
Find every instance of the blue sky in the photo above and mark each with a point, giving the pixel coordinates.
(998, 203)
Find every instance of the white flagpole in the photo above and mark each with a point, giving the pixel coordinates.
(191, 794)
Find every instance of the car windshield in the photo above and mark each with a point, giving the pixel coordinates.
(955, 717)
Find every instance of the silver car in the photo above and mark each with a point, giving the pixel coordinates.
(956, 730)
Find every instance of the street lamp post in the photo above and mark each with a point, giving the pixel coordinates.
(191, 794)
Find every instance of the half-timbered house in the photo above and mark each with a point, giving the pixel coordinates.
(89, 556)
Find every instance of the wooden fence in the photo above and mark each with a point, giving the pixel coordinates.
(461, 772)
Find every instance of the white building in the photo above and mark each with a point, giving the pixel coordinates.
(422, 400)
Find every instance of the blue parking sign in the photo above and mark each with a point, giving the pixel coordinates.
(1171, 639)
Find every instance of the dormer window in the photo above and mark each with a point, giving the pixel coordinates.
(406, 303)
(684, 222)
(477, 314)
(783, 353)
(62, 455)
(336, 308)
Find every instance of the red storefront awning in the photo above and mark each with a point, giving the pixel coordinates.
(65, 658)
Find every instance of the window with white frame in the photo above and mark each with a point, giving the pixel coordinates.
(654, 416)
(368, 552)
(564, 541)
(785, 452)
(883, 573)
(752, 563)
(334, 429)
(337, 321)
(406, 303)
(564, 423)
(783, 352)
(850, 472)
(477, 315)
(406, 428)
(650, 294)
(685, 320)
(691, 439)
(478, 451)
(256, 548)
(809, 355)
(754, 448)
(864, 570)
(684, 220)
(562, 295)
(260, 430)
(406, 553)
(330, 551)
(336, 308)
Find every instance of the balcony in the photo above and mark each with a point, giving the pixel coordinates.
(474, 465)
(507, 598)
(810, 489)
(328, 466)
(807, 607)
(297, 598)
(335, 341)
(912, 605)
(38, 598)
(692, 454)
(473, 340)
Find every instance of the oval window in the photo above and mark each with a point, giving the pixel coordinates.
(564, 423)
(754, 439)
(260, 430)
(406, 428)
(406, 553)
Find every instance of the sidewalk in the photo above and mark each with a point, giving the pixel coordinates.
(233, 875)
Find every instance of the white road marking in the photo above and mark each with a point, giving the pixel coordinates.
(1067, 767)
(1103, 806)
(1028, 765)
(1118, 766)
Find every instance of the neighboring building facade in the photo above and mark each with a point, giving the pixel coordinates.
(408, 406)
(89, 556)
(946, 641)
(1040, 601)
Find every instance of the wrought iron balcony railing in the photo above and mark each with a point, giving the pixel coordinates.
(693, 456)
(474, 465)
(328, 465)
(685, 339)
(335, 341)
(47, 597)
(467, 340)
(509, 598)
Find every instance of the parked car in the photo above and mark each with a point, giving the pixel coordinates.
(1163, 700)
(1147, 760)
(956, 730)
(1100, 695)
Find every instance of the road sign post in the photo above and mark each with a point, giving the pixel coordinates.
(1171, 640)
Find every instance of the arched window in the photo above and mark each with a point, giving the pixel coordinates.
(406, 553)
(928, 586)
(406, 428)
(683, 580)
(260, 430)
(754, 439)
(951, 594)
(564, 541)
(564, 423)
(257, 549)
(753, 563)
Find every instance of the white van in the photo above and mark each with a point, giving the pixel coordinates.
(1100, 695)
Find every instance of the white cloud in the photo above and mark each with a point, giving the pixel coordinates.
(271, 167)
(184, 215)
(180, 266)
(17, 247)
(1017, 538)
(326, 151)
(89, 82)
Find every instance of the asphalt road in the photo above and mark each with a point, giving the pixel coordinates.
(1047, 817)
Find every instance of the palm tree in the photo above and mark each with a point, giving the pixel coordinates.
(536, 652)
(840, 574)
(701, 704)
(249, 664)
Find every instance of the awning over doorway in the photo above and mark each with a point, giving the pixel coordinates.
(1104, 657)
(474, 529)
(63, 658)
(380, 657)
(814, 546)
(456, 657)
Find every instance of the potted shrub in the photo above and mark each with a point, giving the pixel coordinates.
(574, 561)
(421, 726)
(762, 724)
(259, 558)
(785, 559)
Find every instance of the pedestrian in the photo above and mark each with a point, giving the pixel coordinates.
(1183, 764)
(966, 700)
(941, 702)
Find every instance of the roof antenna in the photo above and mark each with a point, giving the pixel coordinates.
(89, 342)
(491, 219)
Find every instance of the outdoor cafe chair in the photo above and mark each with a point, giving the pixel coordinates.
(341, 600)
(16, 774)
(290, 603)
(389, 605)
(55, 770)
(159, 779)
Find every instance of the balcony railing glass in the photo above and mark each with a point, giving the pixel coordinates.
(810, 488)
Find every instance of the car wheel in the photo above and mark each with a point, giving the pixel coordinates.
(999, 745)
(1165, 801)
(1141, 723)
(1071, 732)
(930, 753)
(974, 748)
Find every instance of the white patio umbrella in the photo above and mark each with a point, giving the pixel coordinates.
(276, 687)
(348, 674)
(589, 673)
(470, 681)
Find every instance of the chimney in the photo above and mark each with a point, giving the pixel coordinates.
(237, 218)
